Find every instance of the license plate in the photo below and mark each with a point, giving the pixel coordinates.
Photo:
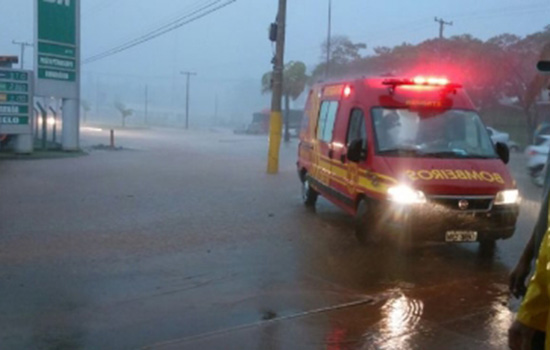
(461, 236)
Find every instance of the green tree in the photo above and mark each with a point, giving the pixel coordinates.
(124, 111)
(492, 70)
(343, 55)
(294, 83)
(501, 67)
(527, 82)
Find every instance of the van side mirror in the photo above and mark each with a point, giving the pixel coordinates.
(503, 152)
(355, 151)
(543, 67)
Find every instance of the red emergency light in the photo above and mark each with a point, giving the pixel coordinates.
(338, 91)
(421, 81)
(347, 91)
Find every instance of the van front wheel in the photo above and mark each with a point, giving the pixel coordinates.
(487, 246)
(309, 195)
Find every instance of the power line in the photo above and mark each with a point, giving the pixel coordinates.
(186, 19)
(468, 16)
(499, 11)
(100, 7)
(420, 24)
(155, 25)
(505, 14)
(492, 12)
(151, 33)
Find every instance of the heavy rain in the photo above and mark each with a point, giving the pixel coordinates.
(274, 174)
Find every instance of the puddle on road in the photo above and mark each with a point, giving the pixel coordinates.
(400, 316)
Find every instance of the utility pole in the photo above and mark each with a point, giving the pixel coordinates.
(146, 102)
(275, 123)
(442, 24)
(97, 95)
(329, 35)
(216, 109)
(188, 75)
(23, 46)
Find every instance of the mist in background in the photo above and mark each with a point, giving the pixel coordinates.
(229, 48)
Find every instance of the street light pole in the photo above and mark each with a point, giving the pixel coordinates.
(329, 35)
(146, 103)
(23, 46)
(188, 75)
(275, 122)
(216, 109)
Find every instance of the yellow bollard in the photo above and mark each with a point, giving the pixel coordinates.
(275, 133)
(112, 138)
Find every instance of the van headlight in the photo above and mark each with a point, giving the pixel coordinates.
(507, 197)
(403, 194)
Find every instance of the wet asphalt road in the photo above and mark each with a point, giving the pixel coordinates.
(181, 241)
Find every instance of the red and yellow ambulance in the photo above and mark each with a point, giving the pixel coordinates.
(410, 158)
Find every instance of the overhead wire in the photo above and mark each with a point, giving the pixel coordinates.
(478, 15)
(500, 10)
(181, 21)
(160, 23)
(102, 5)
(424, 23)
(181, 17)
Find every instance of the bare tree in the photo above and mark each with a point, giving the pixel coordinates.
(124, 111)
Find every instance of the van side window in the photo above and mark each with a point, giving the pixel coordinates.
(327, 117)
(356, 128)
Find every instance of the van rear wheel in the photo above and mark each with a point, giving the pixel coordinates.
(309, 195)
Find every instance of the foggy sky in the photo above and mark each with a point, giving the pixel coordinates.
(229, 49)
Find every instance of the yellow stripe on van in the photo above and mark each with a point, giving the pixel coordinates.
(337, 168)
(368, 185)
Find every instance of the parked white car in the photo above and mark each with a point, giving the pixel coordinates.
(504, 137)
(536, 158)
(498, 136)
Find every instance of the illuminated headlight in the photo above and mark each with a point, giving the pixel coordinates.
(405, 195)
(507, 197)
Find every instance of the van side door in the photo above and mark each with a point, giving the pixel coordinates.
(356, 130)
(323, 153)
(307, 131)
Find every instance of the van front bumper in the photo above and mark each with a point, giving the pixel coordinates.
(431, 222)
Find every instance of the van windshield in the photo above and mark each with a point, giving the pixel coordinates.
(446, 134)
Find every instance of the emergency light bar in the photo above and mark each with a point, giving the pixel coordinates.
(347, 91)
(422, 81)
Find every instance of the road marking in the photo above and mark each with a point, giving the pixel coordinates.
(364, 301)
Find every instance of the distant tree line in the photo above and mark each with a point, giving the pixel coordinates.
(500, 67)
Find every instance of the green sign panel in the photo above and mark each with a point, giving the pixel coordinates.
(10, 75)
(14, 98)
(13, 87)
(15, 101)
(62, 63)
(57, 21)
(58, 50)
(13, 109)
(11, 120)
(57, 41)
(46, 73)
